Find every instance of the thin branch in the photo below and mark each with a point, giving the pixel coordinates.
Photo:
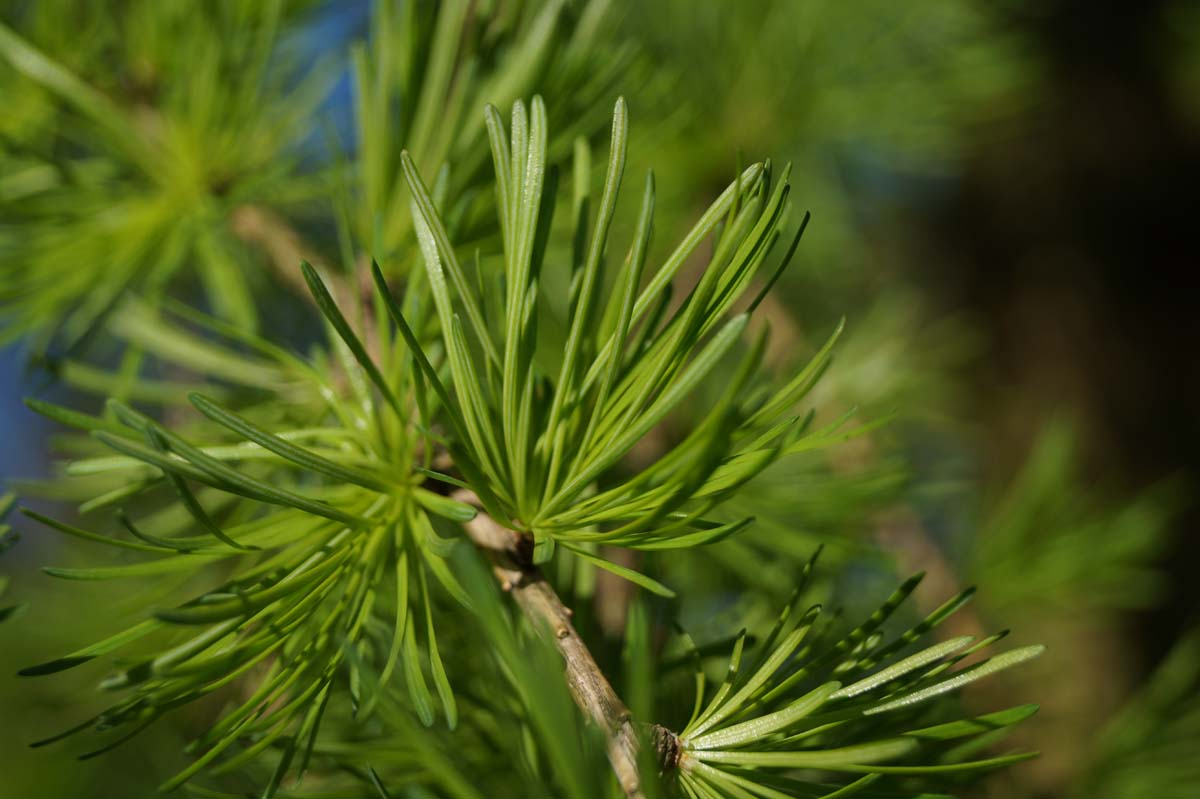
(510, 554)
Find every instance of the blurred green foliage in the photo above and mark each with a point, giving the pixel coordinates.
(1052, 541)
(1148, 747)
(137, 130)
(846, 92)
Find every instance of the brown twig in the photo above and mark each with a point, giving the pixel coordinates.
(510, 554)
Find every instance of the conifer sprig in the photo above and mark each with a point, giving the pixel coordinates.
(312, 502)
(545, 427)
(313, 493)
(856, 703)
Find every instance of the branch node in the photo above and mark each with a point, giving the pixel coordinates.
(667, 746)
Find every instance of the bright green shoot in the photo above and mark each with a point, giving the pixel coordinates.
(809, 698)
(547, 426)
